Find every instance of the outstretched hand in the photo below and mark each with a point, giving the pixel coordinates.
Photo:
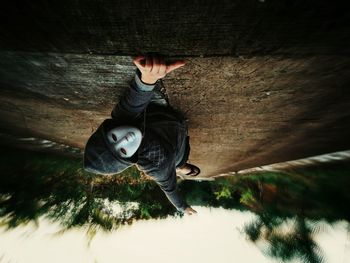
(190, 211)
(154, 68)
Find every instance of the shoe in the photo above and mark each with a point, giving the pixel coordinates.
(194, 170)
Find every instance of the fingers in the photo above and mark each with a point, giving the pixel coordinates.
(149, 64)
(162, 68)
(152, 65)
(190, 211)
(159, 67)
(155, 66)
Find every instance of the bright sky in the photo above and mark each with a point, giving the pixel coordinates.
(211, 236)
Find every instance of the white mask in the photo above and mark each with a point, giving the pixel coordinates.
(125, 140)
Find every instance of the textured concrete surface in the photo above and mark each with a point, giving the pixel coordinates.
(243, 112)
(266, 81)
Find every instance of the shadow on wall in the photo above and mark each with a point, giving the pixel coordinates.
(35, 184)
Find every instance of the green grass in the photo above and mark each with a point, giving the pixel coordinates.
(34, 185)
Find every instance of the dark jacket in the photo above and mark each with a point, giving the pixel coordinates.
(163, 148)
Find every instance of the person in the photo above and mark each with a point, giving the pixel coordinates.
(145, 131)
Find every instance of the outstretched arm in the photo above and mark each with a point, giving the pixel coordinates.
(139, 94)
(166, 179)
(169, 187)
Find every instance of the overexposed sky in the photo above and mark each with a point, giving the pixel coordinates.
(211, 236)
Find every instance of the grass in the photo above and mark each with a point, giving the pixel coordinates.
(34, 185)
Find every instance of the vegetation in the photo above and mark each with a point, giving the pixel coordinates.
(301, 198)
(34, 185)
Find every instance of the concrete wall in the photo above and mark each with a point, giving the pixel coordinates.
(265, 81)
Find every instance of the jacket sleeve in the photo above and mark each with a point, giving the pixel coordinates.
(167, 182)
(135, 99)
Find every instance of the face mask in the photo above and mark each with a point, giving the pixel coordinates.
(125, 140)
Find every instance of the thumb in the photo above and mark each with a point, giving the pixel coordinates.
(175, 65)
